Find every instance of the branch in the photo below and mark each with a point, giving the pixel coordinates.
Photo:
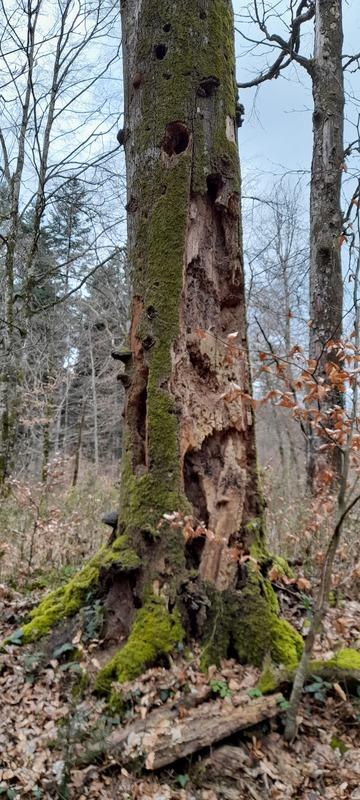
(351, 60)
(36, 311)
(289, 49)
(6, 167)
(319, 612)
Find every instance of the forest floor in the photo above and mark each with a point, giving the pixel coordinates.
(52, 725)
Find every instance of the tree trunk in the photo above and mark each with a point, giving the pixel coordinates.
(185, 446)
(78, 444)
(189, 441)
(326, 291)
(189, 436)
(10, 353)
(95, 405)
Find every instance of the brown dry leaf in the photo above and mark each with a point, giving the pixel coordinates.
(303, 584)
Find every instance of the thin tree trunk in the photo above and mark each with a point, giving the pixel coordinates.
(78, 444)
(95, 407)
(10, 355)
(326, 290)
(46, 437)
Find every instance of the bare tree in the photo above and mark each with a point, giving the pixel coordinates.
(56, 124)
(277, 266)
(325, 69)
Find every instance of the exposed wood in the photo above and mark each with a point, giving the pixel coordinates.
(167, 735)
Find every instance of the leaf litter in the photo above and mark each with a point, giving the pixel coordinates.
(46, 725)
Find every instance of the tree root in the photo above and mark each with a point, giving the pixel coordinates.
(343, 668)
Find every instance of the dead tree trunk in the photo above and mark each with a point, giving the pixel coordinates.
(326, 290)
(189, 427)
(186, 448)
(189, 441)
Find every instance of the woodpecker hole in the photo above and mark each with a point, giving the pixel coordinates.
(160, 51)
(176, 138)
(214, 185)
(167, 27)
(207, 86)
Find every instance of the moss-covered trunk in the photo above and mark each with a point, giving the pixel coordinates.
(188, 424)
(189, 428)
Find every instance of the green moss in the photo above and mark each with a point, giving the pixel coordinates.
(155, 633)
(282, 566)
(347, 659)
(267, 682)
(247, 622)
(255, 539)
(269, 594)
(338, 744)
(160, 238)
(286, 643)
(68, 599)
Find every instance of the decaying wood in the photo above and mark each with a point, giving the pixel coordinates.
(166, 735)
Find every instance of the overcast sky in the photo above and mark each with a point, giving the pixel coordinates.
(277, 132)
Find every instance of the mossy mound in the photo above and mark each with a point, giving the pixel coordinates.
(246, 622)
(68, 599)
(343, 667)
(154, 634)
(345, 659)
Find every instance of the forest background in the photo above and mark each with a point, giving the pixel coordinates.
(69, 398)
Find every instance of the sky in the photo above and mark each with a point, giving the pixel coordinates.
(277, 131)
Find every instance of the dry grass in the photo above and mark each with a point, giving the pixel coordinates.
(47, 530)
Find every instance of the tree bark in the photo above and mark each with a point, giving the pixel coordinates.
(326, 290)
(10, 354)
(185, 446)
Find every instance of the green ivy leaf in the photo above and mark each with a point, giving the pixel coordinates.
(182, 780)
(15, 638)
(64, 648)
(255, 693)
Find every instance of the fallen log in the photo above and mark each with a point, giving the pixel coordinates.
(169, 734)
